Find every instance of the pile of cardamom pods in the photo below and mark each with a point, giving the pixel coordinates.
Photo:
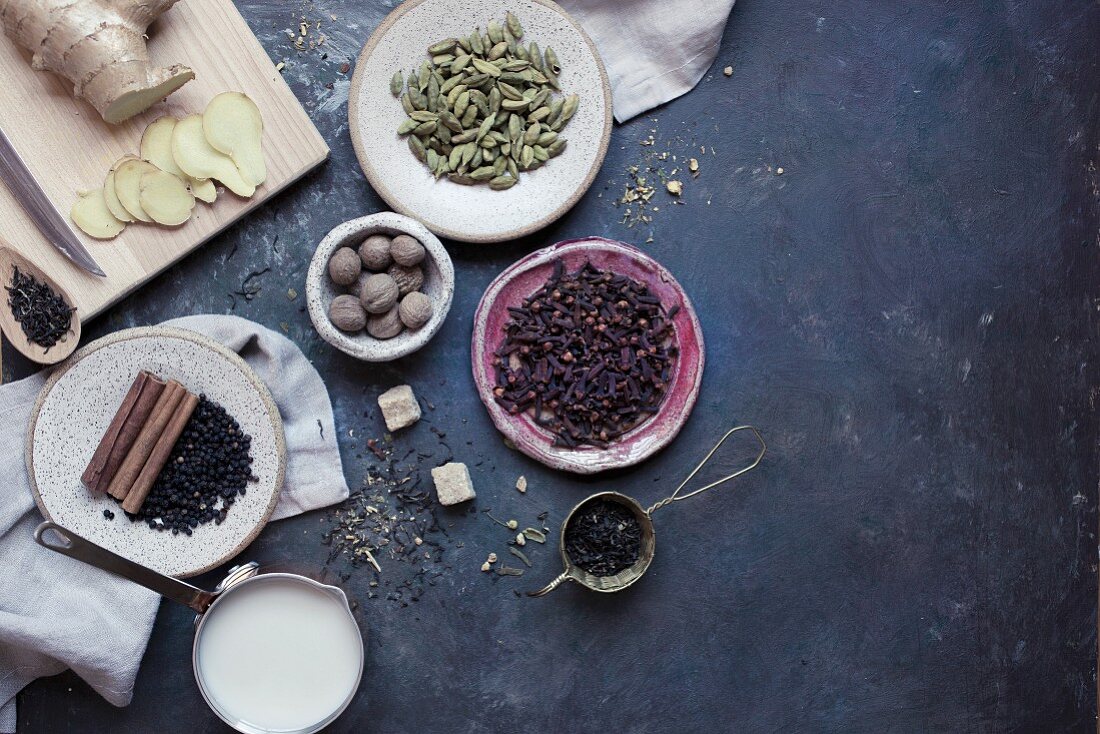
(483, 107)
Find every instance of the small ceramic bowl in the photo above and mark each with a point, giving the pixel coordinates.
(526, 276)
(439, 285)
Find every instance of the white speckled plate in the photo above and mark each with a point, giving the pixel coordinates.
(77, 404)
(476, 213)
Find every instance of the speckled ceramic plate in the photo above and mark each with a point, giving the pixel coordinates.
(528, 275)
(476, 213)
(77, 404)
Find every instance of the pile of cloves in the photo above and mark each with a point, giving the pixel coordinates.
(590, 354)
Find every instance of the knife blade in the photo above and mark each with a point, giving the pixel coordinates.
(21, 183)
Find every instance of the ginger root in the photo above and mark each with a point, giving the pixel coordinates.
(98, 45)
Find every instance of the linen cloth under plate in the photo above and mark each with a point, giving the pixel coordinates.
(58, 613)
(654, 51)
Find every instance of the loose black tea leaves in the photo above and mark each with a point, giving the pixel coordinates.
(39, 309)
(603, 538)
(590, 355)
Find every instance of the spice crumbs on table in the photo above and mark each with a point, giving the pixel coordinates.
(521, 484)
(728, 71)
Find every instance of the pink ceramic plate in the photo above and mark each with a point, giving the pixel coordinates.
(524, 278)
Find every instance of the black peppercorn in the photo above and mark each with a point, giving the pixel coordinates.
(208, 465)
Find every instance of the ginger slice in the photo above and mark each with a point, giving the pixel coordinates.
(91, 214)
(116, 207)
(165, 198)
(128, 186)
(198, 159)
(232, 124)
(156, 147)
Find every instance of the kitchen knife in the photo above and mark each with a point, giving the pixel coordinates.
(21, 183)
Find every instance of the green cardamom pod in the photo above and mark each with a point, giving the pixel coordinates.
(461, 103)
(552, 61)
(500, 183)
(470, 117)
(513, 24)
(460, 63)
(485, 67)
(556, 147)
(443, 46)
(496, 31)
(569, 107)
(417, 148)
(397, 82)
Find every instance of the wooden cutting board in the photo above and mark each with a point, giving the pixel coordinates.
(68, 147)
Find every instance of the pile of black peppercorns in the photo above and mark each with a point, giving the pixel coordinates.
(210, 466)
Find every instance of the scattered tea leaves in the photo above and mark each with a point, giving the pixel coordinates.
(520, 555)
(536, 535)
(509, 571)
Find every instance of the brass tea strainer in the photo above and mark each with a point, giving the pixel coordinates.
(628, 576)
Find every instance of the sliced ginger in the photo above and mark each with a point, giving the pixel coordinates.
(128, 186)
(165, 198)
(109, 194)
(156, 147)
(232, 124)
(198, 159)
(91, 214)
(179, 161)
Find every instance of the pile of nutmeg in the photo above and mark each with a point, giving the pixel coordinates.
(383, 280)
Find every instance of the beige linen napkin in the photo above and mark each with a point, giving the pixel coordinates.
(654, 51)
(57, 613)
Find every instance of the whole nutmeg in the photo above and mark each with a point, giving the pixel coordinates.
(385, 325)
(408, 279)
(346, 314)
(405, 250)
(379, 293)
(375, 252)
(344, 266)
(415, 310)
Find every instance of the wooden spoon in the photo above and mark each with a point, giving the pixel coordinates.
(9, 260)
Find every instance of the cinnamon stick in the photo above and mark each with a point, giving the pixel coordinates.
(131, 466)
(159, 456)
(120, 434)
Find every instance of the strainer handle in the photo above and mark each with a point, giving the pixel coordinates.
(675, 496)
(565, 576)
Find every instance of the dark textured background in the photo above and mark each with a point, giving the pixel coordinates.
(909, 314)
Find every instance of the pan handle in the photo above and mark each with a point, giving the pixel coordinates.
(67, 543)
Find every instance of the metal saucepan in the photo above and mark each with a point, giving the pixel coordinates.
(628, 576)
(206, 604)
